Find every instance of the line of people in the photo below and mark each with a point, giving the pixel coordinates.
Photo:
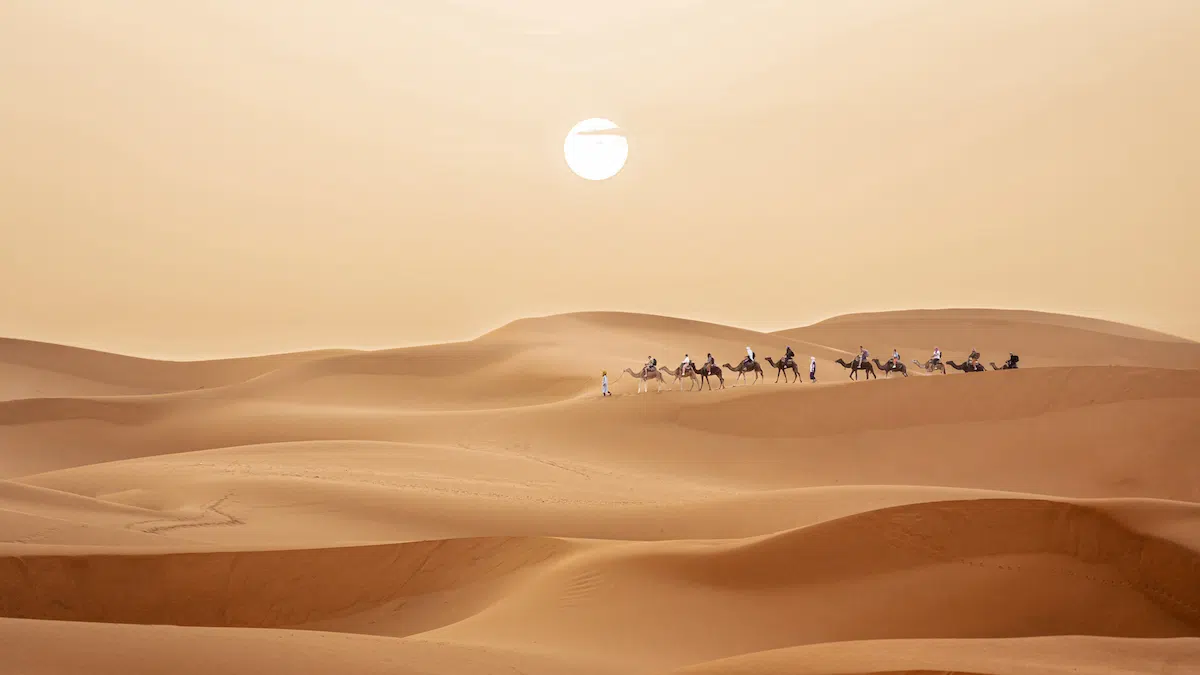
(863, 354)
(936, 359)
(789, 359)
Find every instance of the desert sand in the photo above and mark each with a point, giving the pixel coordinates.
(477, 507)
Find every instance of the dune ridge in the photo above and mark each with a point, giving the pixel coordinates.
(476, 507)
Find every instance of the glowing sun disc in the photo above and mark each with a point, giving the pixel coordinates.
(593, 154)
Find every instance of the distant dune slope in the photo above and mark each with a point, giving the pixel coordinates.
(36, 369)
(1041, 339)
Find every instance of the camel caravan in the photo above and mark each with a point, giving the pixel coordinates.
(701, 374)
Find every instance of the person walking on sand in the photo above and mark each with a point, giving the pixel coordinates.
(812, 369)
(604, 383)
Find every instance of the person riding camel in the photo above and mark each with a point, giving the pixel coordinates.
(710, 363)
(683, 365)
(1012, 360)
(651, 364)
(862, 356)
(749, 357)
(895, 358)
(789, 356)
(937, 357)
(974, 358)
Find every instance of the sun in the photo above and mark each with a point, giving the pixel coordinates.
(596, 149)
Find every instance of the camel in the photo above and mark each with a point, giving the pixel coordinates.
(783, 367)
(643, 376)
(706, 372)
(742, 369)
(855, 367)
(679, 374)
(966, 367)
(887, 368)
(929, 366)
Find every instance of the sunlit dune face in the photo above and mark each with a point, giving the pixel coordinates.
(595, 149)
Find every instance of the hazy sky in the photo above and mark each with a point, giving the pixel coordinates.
(197, 178)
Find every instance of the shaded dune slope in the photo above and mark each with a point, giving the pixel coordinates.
(1084, 571)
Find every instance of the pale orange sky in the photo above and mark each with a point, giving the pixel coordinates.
(183, 179)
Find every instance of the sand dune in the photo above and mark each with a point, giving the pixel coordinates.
(476, 507)
(1040, 338)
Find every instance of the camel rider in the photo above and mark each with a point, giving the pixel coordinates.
(651, 364)
(895, 358)
(683, 365)
(710, 362)
(788, 355)
(749, 356)
(937, 357)
(974, 358)
(862, 355)
(1012, 360)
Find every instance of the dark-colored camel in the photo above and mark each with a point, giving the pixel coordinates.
(706, 372)
(888, 368)
(966, 367)
(742, 369)
(854, 367)
(782, 367)
(929, 366)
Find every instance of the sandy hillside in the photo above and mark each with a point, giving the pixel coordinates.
(477, 508)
